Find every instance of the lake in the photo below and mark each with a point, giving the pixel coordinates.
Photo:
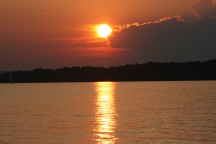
(108, 113)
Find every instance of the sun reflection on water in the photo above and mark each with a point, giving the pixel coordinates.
(105, 113)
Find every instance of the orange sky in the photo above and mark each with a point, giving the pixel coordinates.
(53, 33)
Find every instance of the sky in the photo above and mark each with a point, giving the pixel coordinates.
(55, 34)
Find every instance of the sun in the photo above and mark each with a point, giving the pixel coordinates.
(104, 30)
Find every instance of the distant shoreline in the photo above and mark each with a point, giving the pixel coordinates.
(151, 71)
(3, 83)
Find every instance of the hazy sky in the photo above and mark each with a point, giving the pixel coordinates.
(54, 34)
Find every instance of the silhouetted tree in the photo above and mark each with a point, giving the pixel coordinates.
(151, 71)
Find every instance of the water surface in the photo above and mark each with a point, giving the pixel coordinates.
(108, 113)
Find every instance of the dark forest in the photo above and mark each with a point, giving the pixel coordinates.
(151, 71)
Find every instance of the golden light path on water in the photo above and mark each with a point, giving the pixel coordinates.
(105, 113)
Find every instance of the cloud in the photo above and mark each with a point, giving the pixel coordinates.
(122, 27)
(80, 42)
(204, 9)
(169, 39)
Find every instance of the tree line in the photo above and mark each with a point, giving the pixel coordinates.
(151, 71)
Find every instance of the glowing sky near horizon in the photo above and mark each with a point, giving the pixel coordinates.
(53, 33)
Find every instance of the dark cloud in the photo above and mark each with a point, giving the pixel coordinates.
(169, 39)
(205, 9)
(172, 38)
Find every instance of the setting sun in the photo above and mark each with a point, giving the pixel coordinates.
(104, 30)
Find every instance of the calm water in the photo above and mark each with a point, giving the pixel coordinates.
(108, 113)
